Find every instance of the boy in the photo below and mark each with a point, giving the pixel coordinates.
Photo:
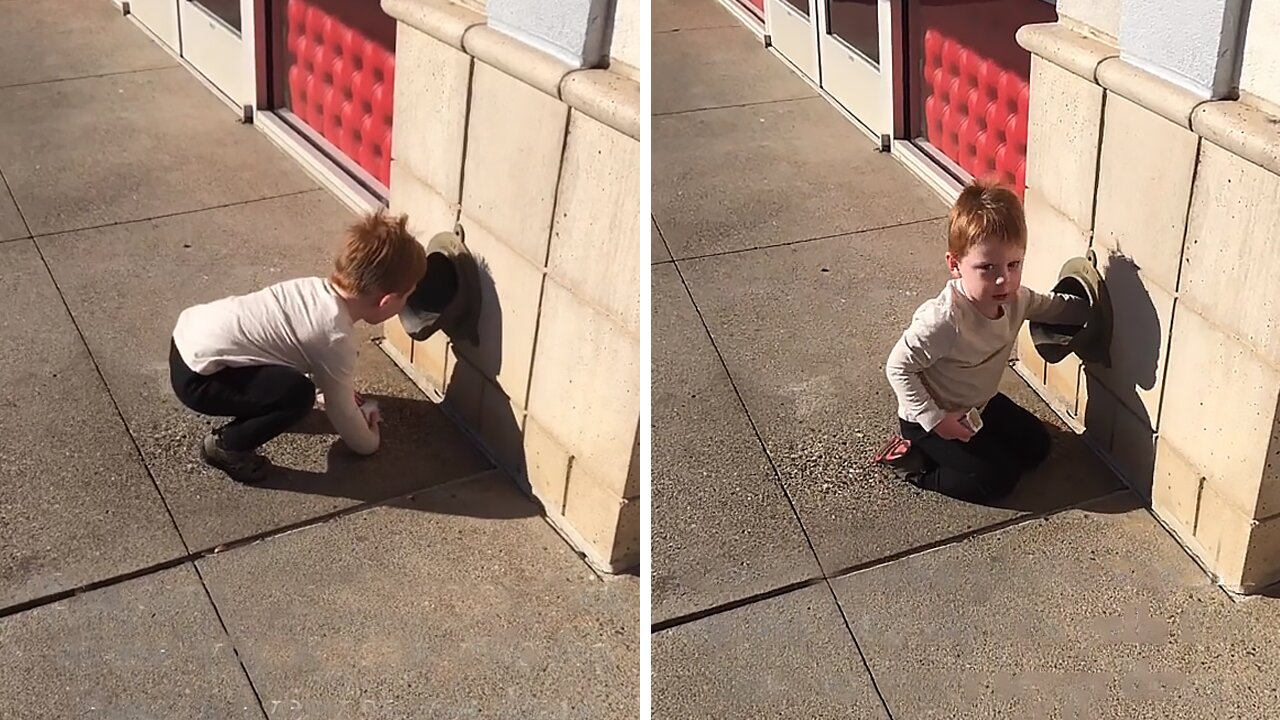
(960, 436)
(248, 357)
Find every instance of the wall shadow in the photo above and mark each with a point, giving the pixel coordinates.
(493, 421)
(1074, 473)
(1114, 413)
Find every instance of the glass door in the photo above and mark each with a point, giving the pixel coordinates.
(845, 46)
(212, 41)
(789, 25)
(208, 34)
(161, 18)
(853, 51)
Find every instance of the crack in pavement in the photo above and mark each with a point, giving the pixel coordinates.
(802, 241)
(670, 113)
(178, 213)
(777, 477)
(51, 81)
(976, 533)
(269, 534)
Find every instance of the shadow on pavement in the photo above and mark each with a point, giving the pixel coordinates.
(399, 466)
(1069, 476)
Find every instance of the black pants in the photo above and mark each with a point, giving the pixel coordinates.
(264, 400)
(1011, 442)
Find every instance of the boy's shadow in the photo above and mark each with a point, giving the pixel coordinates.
(418, 439)
(1074, 473)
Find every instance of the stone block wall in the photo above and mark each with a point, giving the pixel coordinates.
(1180, 200)
(540, 163)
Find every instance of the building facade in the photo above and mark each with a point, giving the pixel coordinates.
(519, 121)
(1148, 133)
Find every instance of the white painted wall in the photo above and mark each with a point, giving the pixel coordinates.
(1260, 75)
(1102, 17)
(1190, 42)
(625, 47)
(572, 30)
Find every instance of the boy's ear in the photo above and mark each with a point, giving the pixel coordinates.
(953, 265)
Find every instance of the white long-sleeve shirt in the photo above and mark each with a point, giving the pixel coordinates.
(951, 357)
(302, 324)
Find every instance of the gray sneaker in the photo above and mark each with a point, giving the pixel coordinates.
(242, 466)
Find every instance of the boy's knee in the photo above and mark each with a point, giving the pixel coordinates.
(302, 395)
(1037, 446)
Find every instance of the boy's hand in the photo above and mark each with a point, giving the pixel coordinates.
(372, 414)
(952, 427)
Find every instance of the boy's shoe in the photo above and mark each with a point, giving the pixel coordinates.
(242, 466)
(900, 456)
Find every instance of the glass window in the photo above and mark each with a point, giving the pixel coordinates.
(857, 22)
(969, 83)
(333, 71)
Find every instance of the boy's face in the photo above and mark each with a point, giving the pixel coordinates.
(389, 306)
(991, 272)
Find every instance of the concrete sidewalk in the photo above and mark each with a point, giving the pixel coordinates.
(792, 579)
(137, 583)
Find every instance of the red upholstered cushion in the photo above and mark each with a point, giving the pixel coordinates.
(976, 110)
(341, 84)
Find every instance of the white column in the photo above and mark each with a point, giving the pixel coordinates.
(576, 31)
(1197, 44)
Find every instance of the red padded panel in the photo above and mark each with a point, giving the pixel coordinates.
(341, 82)
(755, 7)
(975, 110)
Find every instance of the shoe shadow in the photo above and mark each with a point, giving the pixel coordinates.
(420, 450)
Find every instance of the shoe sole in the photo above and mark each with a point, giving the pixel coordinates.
(249, 478)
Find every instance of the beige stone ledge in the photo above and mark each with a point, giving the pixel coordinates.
(1153, 93)
(1066, 48)
(1245, 131)
(1242, 128)
(608, 96)
(516, 59)
(445, 21)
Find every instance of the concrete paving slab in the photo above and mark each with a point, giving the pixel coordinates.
(89, 152)
(669, 15)
(717, 67)
(1090, 614)
(126, 285)
(805, 331)
(461, 604)
(659, 253)
(721, 526)
(147, 648)
(62, 39)
(11, 225)
(746, 177)
(77, 505)
(789, 656)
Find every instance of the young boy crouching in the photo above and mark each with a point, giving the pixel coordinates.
(960, 436)
(249, 357)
